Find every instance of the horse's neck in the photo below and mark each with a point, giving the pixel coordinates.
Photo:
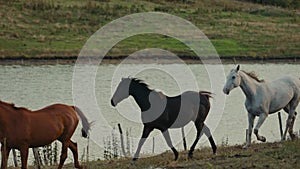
(141, 97)
(248, 85)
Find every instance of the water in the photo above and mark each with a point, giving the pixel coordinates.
(37, 86)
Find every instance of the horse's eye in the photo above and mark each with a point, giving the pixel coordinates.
(233, 77)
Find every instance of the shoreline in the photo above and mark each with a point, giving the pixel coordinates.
(148, 60)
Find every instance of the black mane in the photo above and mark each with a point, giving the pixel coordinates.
(139, 81)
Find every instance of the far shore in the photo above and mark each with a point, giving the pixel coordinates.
(148, 60)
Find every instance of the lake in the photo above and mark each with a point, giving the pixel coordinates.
(37, 86)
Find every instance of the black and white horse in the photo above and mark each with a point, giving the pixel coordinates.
(162, 112)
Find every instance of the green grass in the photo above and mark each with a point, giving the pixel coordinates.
(48, 28)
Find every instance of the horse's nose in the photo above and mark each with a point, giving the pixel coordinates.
(226, 91)
(112, 102)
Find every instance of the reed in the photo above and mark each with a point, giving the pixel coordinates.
(112, 145)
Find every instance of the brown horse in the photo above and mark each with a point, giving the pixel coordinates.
(23, 129)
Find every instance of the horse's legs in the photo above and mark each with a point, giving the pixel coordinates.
(169, 142)
(291, 119)
(290, 128)
(63, 156)
(208, 134)
(291, 132)
(4, 154)
(261, 119)
(73, 147)
(24, 156)
(199, 127)
(251, 118)
(146, 132)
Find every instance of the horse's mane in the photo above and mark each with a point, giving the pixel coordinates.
(139, 81)
(11, 105)
(254, 76)
(8, 104)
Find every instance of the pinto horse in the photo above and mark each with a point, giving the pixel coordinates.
(264, 98)
(23, 129)
(163, 112)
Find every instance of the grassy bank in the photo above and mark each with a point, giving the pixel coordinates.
(57, 28)
(265, 155)
(270, 155)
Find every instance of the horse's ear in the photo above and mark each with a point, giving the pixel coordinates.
(238, 68)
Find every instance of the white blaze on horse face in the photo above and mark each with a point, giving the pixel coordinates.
(122, 91)
(233, 81)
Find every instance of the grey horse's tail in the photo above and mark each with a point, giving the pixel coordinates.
(86, 125)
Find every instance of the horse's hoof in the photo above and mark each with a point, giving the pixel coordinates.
(175, 153)
(246, 146)
(214, 156)
(176, 158)
(79, 166)
(293, 137)
(82, 167)
(214, 150)
(190, 155)
(133, 161)
(263, 139)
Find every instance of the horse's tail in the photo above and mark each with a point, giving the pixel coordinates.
(204, 100)
(206, 94)
(86, 125)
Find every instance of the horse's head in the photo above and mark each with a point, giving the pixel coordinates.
(233, 80)
(122, 91)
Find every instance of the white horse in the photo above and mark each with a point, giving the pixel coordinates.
(264, 98)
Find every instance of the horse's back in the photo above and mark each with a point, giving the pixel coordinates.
(192, 105)
(282, 91)
(58, 113)
(57, 106)
(285, 84)
(59, 110)
(288, 80)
